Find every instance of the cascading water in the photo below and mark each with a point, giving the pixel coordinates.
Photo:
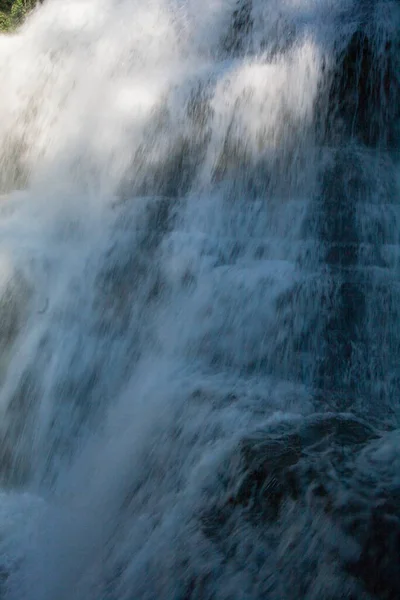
(199, 301)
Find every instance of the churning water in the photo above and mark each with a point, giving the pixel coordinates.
(200, 301)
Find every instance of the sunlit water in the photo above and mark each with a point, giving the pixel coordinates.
(200, 301)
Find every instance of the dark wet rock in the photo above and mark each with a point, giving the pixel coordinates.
(129, 266)
(16, 437)
(272, 462)
(344, 185)
(238, 40)
(379, 563)
(14, 296)
(302, 490)
(356, 215)
(366, 88)
(276, 465)
(170, 170)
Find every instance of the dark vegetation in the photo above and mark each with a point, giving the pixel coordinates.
(14, 12)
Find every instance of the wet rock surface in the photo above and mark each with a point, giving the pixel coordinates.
(312, 485)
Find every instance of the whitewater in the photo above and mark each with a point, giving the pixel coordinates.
(200, 301)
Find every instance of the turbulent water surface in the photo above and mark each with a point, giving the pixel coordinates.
(200, 301)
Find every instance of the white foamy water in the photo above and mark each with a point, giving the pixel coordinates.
(198, 247)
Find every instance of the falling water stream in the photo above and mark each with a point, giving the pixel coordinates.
(200, 301)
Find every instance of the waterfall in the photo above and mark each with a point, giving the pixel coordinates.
(199, 301)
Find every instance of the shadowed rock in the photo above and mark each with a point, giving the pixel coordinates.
(365, 91)
(238, 37)
(309, 487)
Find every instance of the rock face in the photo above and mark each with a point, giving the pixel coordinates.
(325, 469)
(365, 91)
(14, 293)
(378, 563)
(354, 225)
(322, 496)
(238, 39)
